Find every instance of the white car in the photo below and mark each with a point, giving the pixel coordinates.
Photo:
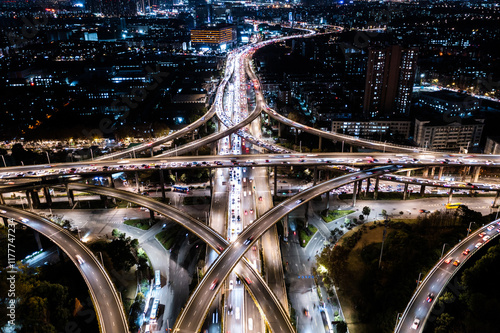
(415, 324)
(80, 260)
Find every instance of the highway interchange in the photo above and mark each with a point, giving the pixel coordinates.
(362, 166)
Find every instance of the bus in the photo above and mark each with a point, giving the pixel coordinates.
(453, 205)
(182, 189)
(154, 312)
(157, 279)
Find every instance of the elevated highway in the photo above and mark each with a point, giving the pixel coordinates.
(197, 306)
(107, 302)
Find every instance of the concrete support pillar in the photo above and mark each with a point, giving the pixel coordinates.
(360, 183)
(375, 190)
(433, 170)
(104, 199)
(405, 192)
(196, 152)
(426, 172)
(422, 190)
(275, 182)
(151, 215)
(111, 183)
(211, 177)
(71, 196)
(315, 173)
(296, 135)
(162, 185)
(328, 200)
(475, 174)
(306, 214)
(35, 198)
(48, 198)
(2, 201)
(285, 228)
(367, 187)
(37, 238)
(450, 195)
(441, 169)
(408, 173)
(137, 181)
(5, 221)
(320, 143)
(495, 202)
(354, 189)
(28, 198)
(279, 130)
(151, 150)
(214, 148)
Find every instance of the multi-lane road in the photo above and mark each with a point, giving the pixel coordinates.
(197, 306)
(107, 303)
(422, 302)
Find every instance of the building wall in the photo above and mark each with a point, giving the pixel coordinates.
(364, 128)
(389, 81)
(452, 136)
(492, 146)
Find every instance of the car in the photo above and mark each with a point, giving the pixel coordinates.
(246, 212)
(481, 235)
(306, 313)
(456, 262)
(238, 281)
(466, 252)
(251, 210)
(220, 248)
(299, 201)
(415, 324)
(248, 281)
(490, 227)
(260, 198)
(80, 260)
(486, 239)
(231, 285)
(248, 240)
(478, 245)
(430, 297)
(450, 259)
(214, 284)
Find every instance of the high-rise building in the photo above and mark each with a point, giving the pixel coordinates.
(389, 81)
(113, 7)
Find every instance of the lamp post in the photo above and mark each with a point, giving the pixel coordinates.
(48, 159)
(442, 251)
(468, 229)
(4, 164)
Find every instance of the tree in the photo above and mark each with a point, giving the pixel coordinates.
(341, 327)
(384, 213)
(366, 211)
(361, 217)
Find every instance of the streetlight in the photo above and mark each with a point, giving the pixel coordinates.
(468, 229)
(384, 145)
(91, 154)
(442, 252)
(4, 164)
(48, 159)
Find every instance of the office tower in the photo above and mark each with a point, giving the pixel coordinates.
(389, 81)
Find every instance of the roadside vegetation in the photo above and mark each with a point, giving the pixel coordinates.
(373, 292)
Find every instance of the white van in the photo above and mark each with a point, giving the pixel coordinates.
(237, 313)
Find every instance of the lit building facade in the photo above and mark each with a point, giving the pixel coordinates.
(370, 128)
(214, 37)
(389, 81)
(457, 136)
